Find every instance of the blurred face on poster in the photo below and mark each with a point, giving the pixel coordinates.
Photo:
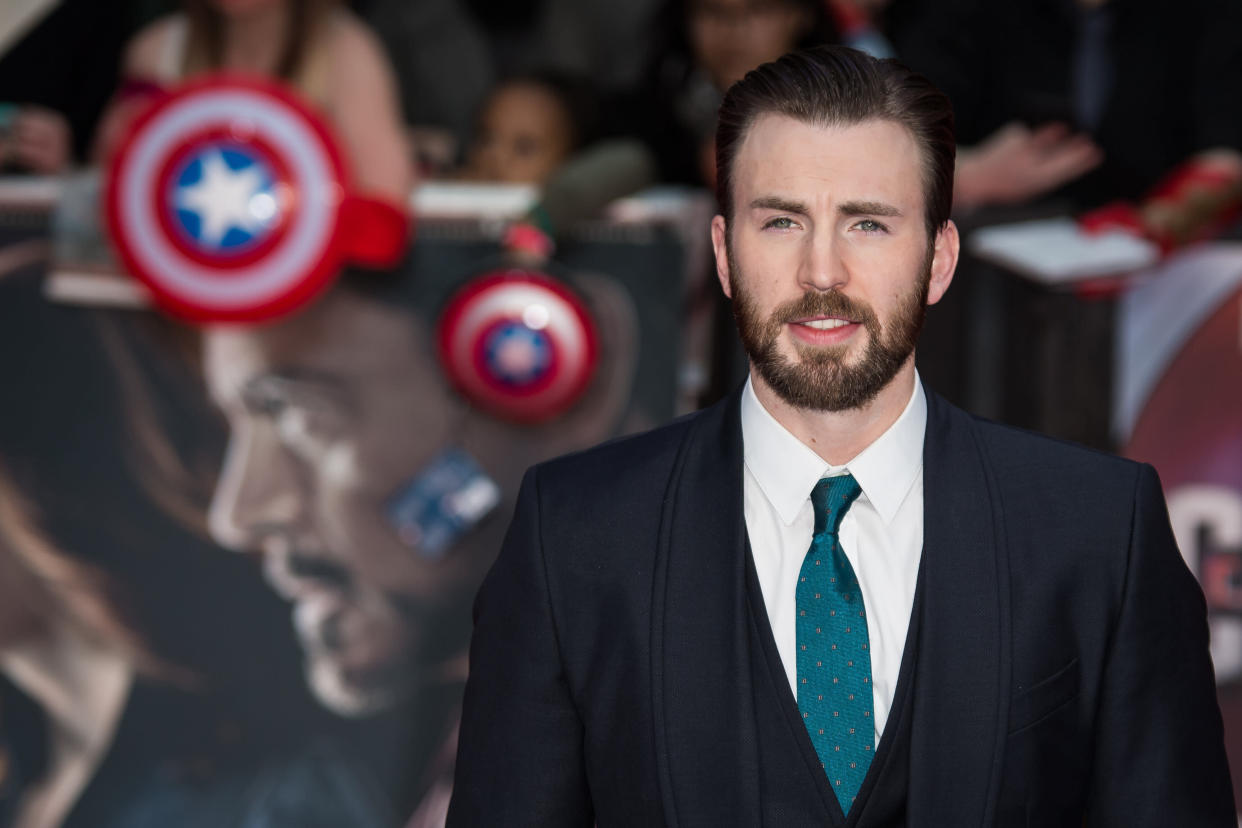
(329, 413)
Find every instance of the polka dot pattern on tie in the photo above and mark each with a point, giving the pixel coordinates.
(834, 665)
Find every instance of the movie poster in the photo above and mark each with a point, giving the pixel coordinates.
(245, 554)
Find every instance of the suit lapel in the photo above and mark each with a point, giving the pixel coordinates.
(706, 747)
(962, 674)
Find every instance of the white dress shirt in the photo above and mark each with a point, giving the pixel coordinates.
(881, 534)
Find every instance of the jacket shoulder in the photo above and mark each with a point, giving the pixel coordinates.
(1013, 450)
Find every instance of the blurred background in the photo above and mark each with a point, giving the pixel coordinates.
(238, 547)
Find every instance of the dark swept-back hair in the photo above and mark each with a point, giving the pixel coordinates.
(837, 86)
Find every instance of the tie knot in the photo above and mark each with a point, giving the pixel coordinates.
(832, 497)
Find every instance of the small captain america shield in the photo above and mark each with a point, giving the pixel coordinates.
(519, 344)
(225, 201)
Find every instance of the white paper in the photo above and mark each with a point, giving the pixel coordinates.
(1059, 252)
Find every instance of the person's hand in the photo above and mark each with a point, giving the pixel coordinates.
(1015, 164)
(39, 140)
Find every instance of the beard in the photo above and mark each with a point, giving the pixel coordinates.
(821, 380)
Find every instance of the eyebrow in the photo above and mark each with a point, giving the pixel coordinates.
(849, 208)
(784, 205)
(868, 208)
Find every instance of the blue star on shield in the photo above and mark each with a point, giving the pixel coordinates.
(224, 199)
(516, 355)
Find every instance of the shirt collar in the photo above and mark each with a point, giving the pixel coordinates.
(786, 469)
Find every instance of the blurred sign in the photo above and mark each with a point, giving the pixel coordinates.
(1190, 429)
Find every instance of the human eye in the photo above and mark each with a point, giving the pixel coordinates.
(306, 422)
(871, 226)
(780, 223)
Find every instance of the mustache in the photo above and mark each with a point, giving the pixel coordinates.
(315, 568)
(829, 303)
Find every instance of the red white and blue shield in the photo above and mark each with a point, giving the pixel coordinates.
(518, 344)
(226, 201)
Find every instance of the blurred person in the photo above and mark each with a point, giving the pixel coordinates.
(443, 65)
(34, 139)
(1109, 110)
(56, 79)
(110, 715)
(610, 43)
(1089, 102)
(332, 414)
(96, 731)
(317, 46)
(704, 46)
(728, 38)
(833, 598)
(529, 126)
(708, 45)
(545, 129)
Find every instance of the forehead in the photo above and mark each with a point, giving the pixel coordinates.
(343, 336)
(873, 160)
(527, 103)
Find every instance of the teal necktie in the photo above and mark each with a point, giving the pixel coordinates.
(834, 663)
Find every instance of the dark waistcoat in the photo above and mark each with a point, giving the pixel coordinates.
(794, 792)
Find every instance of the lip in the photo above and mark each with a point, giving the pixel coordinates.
(354, 636)
(838, 335)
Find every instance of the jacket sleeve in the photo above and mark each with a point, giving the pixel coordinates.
(520, 756)
(1159, 742)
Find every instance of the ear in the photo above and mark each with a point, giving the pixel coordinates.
(720, 248)
(944, 262)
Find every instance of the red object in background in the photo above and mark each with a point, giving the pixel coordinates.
(518, 344)
(1205, 182)
(1118, 215)
(229, 199)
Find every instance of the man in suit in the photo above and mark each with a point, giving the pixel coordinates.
(834, 599)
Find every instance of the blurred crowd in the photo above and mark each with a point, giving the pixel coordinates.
(1116, 110)
(1119, 108)
(1087, 100)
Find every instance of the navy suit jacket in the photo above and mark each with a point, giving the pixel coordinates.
(1062, 671)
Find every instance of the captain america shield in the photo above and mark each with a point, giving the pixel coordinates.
(225, 201)
(518, 344)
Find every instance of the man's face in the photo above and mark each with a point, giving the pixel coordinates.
(827, 258)
(329, 413)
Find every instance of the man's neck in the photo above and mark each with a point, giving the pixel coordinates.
(840, 436)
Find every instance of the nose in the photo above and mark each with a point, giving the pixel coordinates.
(258, 490)
(823, 265)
